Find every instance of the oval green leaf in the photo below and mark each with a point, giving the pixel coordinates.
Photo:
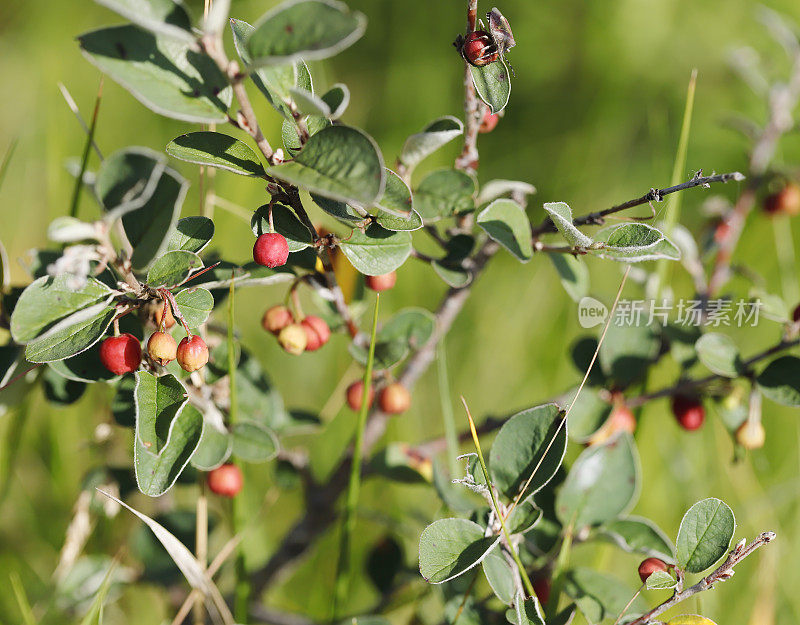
(718, 352)
(192, 234)
(216, 149)
(493, 84)
(173, 268)
(167, 77)
(780, 381)
(634, 243)
(436, 134)
(505, 221)
(520, 446)
(704, 535)
(338, 162)
(450, 547)
(253, 442)
(444, 193)
(377, 251)
(602, 484)
(307, 29)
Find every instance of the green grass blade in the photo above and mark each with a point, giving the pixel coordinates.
(343, 572)
(87, 150)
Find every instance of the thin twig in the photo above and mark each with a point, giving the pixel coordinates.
(720, 574)
(653, 195)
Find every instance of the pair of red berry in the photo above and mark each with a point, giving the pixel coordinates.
(308, 335)
(393, 398)
(123, 354)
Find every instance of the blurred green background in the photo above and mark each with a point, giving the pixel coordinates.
(593, 120)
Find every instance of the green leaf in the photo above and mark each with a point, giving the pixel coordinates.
(94, 616)
(561, 215)
(660, 580)
(253, 442)
(75, 335)
(719, 353)
(573, 273)
(520, 445)
(66, 229)
(439, 132)
(498, 188)
(214, 449)
(216, 150)
(377, 251)
(273, 81)
(149, 227)
(600, 596)
(172, 268)
(165, 17)
(337, 98)
(505, 222)
(444, 193)
(526, 611)
(628, 350)
(500, 576)
(493, 84)
(309, 104)
(779, 381)
(396, 196)
(704, 535)
(634, 243)
(258, 399)
(286, 223)
(49, 300)
(307, 29)
(195, 304)
(399, 224)
(167, 77)
(338, 162)
(523, 517)
(602, 484)
(168, 432)
(409, 328)
(59, 390)
(339, 210)
(450, 267)
(587, 415)
(290, 136)
(183, 558)
(450, 547)
(640, 535)
(191, 234)
(127, 179)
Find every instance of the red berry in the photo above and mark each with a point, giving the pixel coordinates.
(784, 202)
(276, 319)
(226, 480)
(394, 398)
(489, 122)
(688, 411)
(271, 250)
(650, 566)
(121, 354)
(192, 353)
(317, 332)
(162, 347)
(479, 48)
(354, 394)
(541, 586)
(381, 283)
(293, 339)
